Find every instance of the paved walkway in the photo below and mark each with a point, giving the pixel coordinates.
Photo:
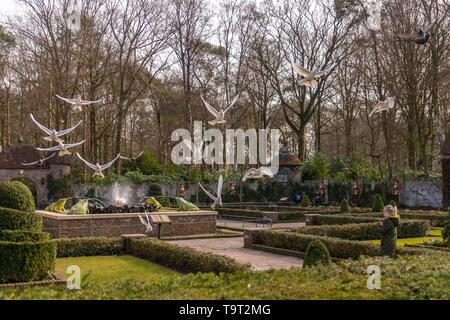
(233, 247)
(236, 224)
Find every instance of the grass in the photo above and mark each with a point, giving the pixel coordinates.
(405, 277)
(433, 234)
(115, 268)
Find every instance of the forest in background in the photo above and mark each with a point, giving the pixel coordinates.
(150, 60)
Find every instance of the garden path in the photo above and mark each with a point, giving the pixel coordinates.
(233, 248)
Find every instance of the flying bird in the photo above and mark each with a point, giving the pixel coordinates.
(419, 37)
(383, 105)
(132, 159)
(40, 161)
(97, 167)
(61, 147)
(309, 76)
(216, 200)
(147, 224)
(220, 115)
(78, 103)
(258, 173)
(54, 135)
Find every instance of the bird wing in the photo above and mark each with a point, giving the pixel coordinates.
(299, 69)
(266, 171)
(142, 221)
(124, 158)
(50, 156)
(71, 101)
(90, 165)
(213, 111)
(74, 144)
(140, 154)
(373, 110)
(64, 132)
(55, 148)
(30, 163)
(87, 102)
(219, 187)
(207, 193)
(47, 131)
(408, 36)
(249, 173)
(428, 27)
(109, 164)
(391, 102)
(232, 103)
(323, 72)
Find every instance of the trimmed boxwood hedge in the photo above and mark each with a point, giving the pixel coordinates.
(11, 219)
(341, 219)
(183, 259)
(26, 261)
(23, 236)
(16, 195)
(338, 248)
(366, 231)
(298, 214)
(89, 246)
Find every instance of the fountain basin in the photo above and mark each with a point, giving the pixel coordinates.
(116, 224)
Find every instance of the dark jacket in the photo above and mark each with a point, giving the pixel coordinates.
(389, 236)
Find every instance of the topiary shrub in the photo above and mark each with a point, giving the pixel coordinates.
(154, 190)
(446, 230)
(378, 204)
(392, 203)
(344, 207)
(316, 254)
(11, 219)
(16, 195)
(305, 202)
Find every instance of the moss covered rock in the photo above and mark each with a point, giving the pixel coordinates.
(16, 195)
(316, 254)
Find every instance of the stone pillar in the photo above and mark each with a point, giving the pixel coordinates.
(446, 171)
(250, 235)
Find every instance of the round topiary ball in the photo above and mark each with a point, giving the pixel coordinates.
(16, 195)
(316, 253)
(154, 190)
(344, 207)
(378, 204)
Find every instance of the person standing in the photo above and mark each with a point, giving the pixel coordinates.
(388, 231)
(322, 189)
(396, 191)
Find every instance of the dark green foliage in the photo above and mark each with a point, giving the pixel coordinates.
(154, 190)
(378, 204)
(435, 219)
(26, 261)
(91, 193)
(316, 254)
(30, 185)
(344, 207)
(341, 219)
(23, 236)
(16, 195)
(183, 259)
(338, 248)
(58, 188)
(366, 231)
(147, 163)
(305, 202)
(446, 230)
(11, 219)
(89, 246)
(392, 203)
(315, 168)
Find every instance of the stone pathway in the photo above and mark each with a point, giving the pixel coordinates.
(235, 224)
(233, 248)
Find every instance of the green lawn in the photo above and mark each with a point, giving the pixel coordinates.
(433, 234)
(405, 277)
(115, 268)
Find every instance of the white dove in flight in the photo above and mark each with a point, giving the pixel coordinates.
(383, 105)
(419, 37)
(61, 147)
(258, 173)
(309, 76)
(97, 167)
(40, 161)
(147, 224)
(132, 159)
(78, 103)
(216, 200)
(54, 135)
(220, 115)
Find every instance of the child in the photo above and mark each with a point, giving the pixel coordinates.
(388, 230)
